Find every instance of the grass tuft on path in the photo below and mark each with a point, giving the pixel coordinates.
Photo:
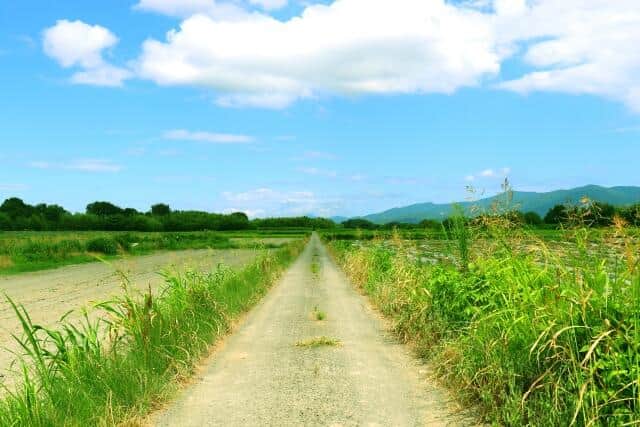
(318, 342)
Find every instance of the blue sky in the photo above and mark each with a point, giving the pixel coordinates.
(287, 108)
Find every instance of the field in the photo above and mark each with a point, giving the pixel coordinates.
(533, 328)
(117, 361)
(33, 251)
(522, 326)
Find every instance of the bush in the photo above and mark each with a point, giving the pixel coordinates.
(103, 245)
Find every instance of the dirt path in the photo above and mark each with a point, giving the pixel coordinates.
(260, 377)
(48, 295)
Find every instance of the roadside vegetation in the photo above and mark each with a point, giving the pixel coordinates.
(32, 251)
(530, 331)
(117, 369)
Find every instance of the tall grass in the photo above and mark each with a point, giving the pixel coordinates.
(118, 368)
(20, 252)
(532, 335)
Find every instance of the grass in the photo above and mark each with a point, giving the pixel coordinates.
(532, 333)
(318, 314)
(117, 369)
(318, 342)
(32, 251)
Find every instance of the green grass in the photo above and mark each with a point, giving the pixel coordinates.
(75, 376)
(530, 333)
(319, 314)
(32, 251)
(318, 342)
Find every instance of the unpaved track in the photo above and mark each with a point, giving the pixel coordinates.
(48, 295)
(260, 378)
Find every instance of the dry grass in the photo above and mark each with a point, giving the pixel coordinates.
(5, 261)
(318, 342)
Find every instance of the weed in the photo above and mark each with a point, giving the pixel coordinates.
(103, 245)
(318, 314)
(318, 342)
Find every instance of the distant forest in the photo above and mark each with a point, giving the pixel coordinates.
(17, 215)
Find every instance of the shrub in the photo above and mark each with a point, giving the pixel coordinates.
(103, 245)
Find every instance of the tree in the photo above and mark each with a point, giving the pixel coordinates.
(130, 212)
(5, 222)
(52, 213)
(556, 215)
(532, 218)
(430, 223)
(103, 209)
(359, 223)
(160, 209)
(15, 208)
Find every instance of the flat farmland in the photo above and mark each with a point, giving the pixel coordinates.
(50, 294)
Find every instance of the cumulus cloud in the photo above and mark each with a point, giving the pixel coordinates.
(363, 47)
(348, 47)
(578, 47)
(210, 137)
(269, 4)
(186, 8)
(281, 203)
(77, 44)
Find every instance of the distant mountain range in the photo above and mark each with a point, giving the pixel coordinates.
(523, 201)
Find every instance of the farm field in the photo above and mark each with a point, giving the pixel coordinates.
(49, 295)
(533, 328)
(33, 251)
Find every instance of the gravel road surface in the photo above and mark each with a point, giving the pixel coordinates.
(261, 377)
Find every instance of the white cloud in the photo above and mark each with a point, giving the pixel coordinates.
(269, 201)
(489, 173)
(82, 165)
(210, 137)
(347, 47)
(76, 44)
(318, 172)
(186, 8)
(578, 47)
(361, 47)
(269, 4)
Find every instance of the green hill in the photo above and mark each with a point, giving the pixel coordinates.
(523, 201)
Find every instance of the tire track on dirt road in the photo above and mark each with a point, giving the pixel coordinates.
(261, 377)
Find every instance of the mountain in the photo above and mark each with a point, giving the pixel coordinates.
(522, 200)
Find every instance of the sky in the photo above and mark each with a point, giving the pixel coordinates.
(289, 107)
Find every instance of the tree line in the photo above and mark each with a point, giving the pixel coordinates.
(594, 214)
(17, 215)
